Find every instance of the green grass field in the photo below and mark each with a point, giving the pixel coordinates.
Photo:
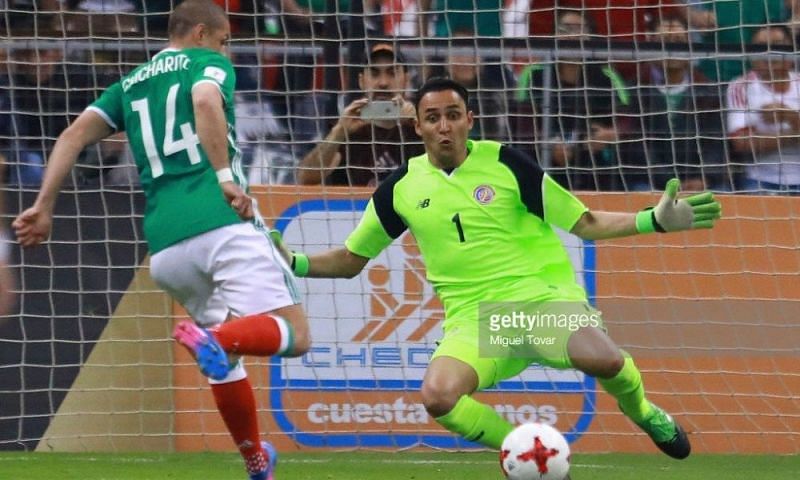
(384, 466)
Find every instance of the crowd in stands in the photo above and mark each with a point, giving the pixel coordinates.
(725, 123)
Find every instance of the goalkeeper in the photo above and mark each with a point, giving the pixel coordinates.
(483, 216)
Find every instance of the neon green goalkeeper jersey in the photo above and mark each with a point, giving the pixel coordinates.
(484, 230)
(153, 105)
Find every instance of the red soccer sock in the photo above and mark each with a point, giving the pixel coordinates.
(259, 335)
(237, 405)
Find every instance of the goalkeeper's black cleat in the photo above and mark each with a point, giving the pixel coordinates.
(667, 434)
(679, 447)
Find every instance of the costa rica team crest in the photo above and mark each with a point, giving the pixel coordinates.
(484, 194)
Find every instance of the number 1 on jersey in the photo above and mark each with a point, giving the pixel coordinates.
(189, 140)
(457, 220)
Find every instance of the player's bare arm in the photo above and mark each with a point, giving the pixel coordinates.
(32, 226)
(334, 263)
(672, 214)
(212, 130)
(602, 225)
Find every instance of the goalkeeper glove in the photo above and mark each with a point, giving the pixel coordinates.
(297, 261)
(673, 214)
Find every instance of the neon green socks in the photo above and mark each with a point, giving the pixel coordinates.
(627, 388)
(476, 422)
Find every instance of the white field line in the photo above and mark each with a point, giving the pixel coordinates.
(295, 460)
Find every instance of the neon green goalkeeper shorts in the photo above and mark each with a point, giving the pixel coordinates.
(461, 341)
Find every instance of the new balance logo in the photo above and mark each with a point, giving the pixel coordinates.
(424, 203)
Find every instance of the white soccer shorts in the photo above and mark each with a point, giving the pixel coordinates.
(233, 269)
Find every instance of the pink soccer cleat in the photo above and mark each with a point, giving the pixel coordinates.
(205, 349)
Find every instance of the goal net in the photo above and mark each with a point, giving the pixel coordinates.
(611, 98)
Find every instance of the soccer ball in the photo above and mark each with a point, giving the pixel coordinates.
(535, 451)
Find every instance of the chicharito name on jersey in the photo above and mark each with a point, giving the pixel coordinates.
(163, 64)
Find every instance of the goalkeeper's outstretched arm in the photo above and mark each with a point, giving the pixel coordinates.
(365, 242)
(603, 225)
(672, 214)
(334, 263)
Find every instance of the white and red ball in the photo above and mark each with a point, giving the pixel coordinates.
(535, 451)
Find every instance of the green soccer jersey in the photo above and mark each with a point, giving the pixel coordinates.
(484, 230)
(153, 105)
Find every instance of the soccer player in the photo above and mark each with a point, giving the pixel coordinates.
(483, 216)
(209, 248)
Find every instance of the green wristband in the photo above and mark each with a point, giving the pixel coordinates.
(300, 264)
(644, 221)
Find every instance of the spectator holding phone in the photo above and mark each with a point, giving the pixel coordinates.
(374, 135)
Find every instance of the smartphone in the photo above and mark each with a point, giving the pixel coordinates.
(380, 110)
